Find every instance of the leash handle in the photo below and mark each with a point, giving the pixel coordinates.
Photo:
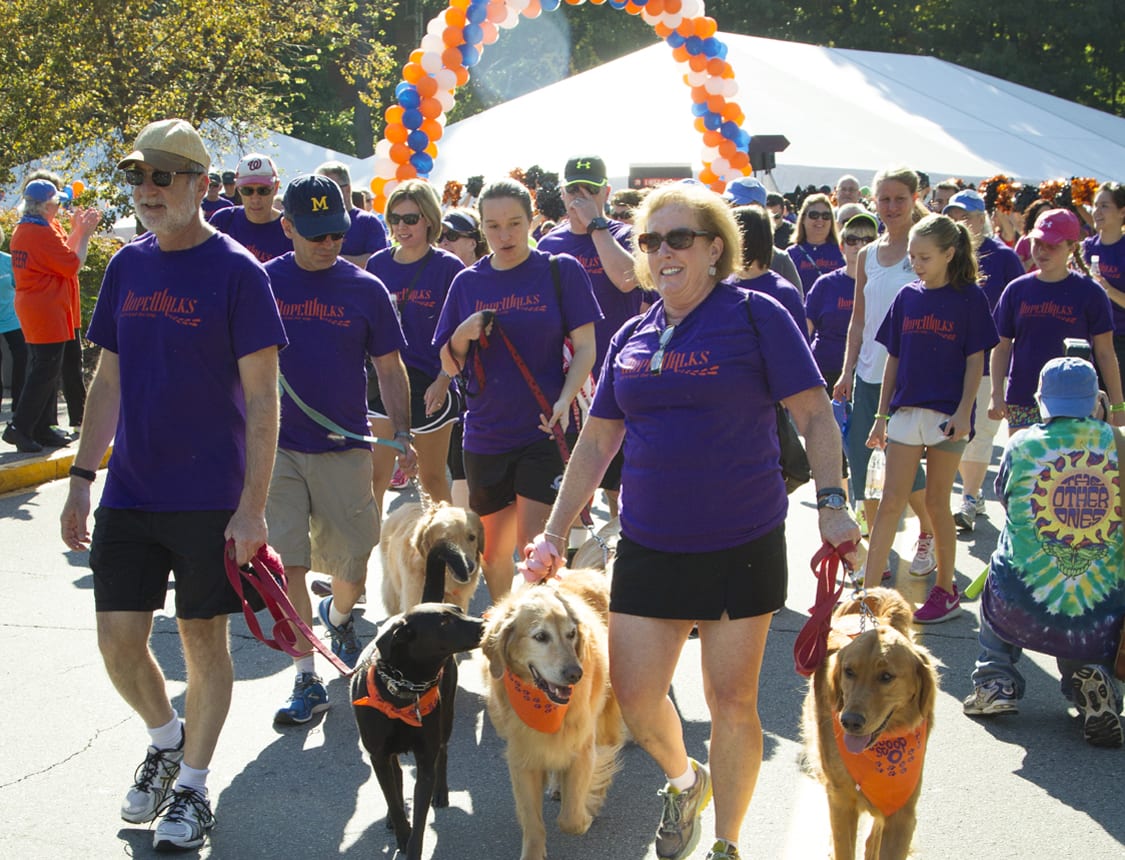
(266, 575)
(812, 642)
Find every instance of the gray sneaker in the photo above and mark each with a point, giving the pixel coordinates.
(992, 698)
(1096, 699)
(966, 518)
(678, 833)
(186, 819)
(152, 783)
(723, 850)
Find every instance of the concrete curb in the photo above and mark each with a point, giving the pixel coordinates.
(23, 473)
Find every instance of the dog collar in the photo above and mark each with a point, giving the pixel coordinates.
(887, 773)
(411, 714)
(533, 706)
(398, 686)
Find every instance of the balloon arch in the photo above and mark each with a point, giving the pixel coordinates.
(453, 44)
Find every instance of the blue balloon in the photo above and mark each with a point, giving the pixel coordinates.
(422, 162)
(402, 87)
(674, 39)
(417, 140)
(722, 51)
(743, 140)
(549, 5)
(410, 98)
(712, 121)
(473, 33)
(730, 130)
(617, 4)
(412, 118)
(477, 12)
(694, 45)
(711, 46)
(699, 108)
(638, 2)
(470, 56)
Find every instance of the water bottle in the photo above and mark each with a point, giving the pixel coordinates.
(876, 472)
(842, 411)
(1095, 265)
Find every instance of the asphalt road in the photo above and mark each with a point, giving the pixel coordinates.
(1015, 787)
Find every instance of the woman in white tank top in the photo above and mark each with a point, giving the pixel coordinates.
(884, 268)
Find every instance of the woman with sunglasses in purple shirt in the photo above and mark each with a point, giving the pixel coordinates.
(816, 251)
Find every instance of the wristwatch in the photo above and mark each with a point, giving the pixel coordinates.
(598, 223)
(832, 498)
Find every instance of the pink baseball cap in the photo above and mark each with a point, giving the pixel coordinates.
(1057, 225)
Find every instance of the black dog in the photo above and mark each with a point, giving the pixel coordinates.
(403, 690)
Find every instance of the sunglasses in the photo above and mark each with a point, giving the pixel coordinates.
(410, 218)
(454, 235)
(852, 241)
(678, 239)
(251, 190)
(657, 362)
(331, 237)
(160, 178)
(578, 187)
(815, 215)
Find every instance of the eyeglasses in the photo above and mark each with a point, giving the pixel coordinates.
(677, 239)
(454, 235)
(817, 215)
(852, 241)
(331, 237)
(657, 362)
(410, 218)
(577, 187)
(621, 214)
(251, 190)
(160, 178)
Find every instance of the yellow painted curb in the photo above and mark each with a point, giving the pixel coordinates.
(27, 473)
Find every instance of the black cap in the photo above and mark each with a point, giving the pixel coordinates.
(587, 169)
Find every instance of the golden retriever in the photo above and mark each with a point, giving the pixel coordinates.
(409, 534)
(548, 644)
(867, 714)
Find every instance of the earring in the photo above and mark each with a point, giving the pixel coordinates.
(711, 270)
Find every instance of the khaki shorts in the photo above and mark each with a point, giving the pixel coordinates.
(979, 449)
(321, 512)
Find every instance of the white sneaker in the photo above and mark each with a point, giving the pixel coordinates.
(924, 562)
(152, 784)
(186, 819)
(966, 518)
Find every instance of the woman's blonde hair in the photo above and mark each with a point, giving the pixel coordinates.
(812, 200)
(422, 195)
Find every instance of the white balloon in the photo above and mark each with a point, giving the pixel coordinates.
(691, 8)
(730, 88)
(384, 166)
(431, 62)
(445, 99)
(518, 5)
(648, 17)
(383, 150)
(390, 186)
(710, 153)
(719, 166)
(511, 20)
(446, 79)
(672, 19)
(697, 79)
(714, 86)
(436, 26)
(431, 42)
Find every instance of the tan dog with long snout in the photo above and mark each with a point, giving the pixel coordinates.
(409, 534)
(867, 715)
(549, 697)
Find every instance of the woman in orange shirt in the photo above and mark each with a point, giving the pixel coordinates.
(45, 262)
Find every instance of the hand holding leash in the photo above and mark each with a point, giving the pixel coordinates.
(542, 559)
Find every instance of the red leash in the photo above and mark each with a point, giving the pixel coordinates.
(266, 575)
(812, 642)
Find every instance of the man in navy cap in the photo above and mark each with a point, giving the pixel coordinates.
(321, 512)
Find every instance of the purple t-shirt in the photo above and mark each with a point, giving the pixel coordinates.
(334, 319)
(428, 283)
(998, 265)
(829, 308)
(707, 420)
(366, 235)
(209, 207)
(1037, 316)
(179, 322)
(616, 305)
(776, 287)
(264, 241)
(1111, 264)
(812, 261)
(502, 413)
(932, 333)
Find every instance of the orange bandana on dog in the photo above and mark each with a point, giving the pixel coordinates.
(888, 771)
(411, 714)
(533, 706)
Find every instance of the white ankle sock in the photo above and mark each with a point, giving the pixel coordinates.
(685, 780)
(305, 665)
(191, 778)
(169, 735)
(337, 618)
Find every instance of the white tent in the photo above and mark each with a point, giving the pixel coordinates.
(843, 111)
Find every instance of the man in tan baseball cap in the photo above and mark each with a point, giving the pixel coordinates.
(169, 144)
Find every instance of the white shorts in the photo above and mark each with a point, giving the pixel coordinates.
(911, 425)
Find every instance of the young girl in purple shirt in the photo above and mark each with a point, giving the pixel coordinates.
(935, 333)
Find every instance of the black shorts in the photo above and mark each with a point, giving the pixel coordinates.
(132, 553)
(420, 422)
(743, 581)
(611, 480)
(533, 471)
(456, 452)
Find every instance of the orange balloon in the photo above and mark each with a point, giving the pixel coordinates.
(430, 108)
(731, 111)
(400, 153)
(727, 148)
(686, 28)
(455, 17)
(453, 36)
(416, 56)
(77, 187)
(718, 186)
(680, 54)
(633, 9)
(426, 87)
(413, 72)
(662, 30)
(432, 129)
(712, 138)
(497, 12)
(396, 133)
(740, 160)
(393, 114)
(715, 104)
(431, 150)
(532, 10)
(706, 27)
(491, 32)
(462, 75)
(673, 6)
(379, 204)
(699, 126)
(698, 62)
(728, 72)
(451, 58)
(699, 95)
(715, 66)
(406, 171)
(377, 185)
(459, 4)
(706, 176)
(655, 7)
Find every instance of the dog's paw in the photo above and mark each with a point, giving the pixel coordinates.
(440, 799)
(579, 824)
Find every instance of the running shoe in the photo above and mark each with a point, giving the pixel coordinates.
(308, 699)
(939, 606)
(925, 562)
(1096, 698)
(152, 783)
(186, 819)
(345, 641)
(991, 699)
(678, 833)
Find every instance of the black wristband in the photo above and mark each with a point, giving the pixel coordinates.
(830, 491)
(84, 474)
